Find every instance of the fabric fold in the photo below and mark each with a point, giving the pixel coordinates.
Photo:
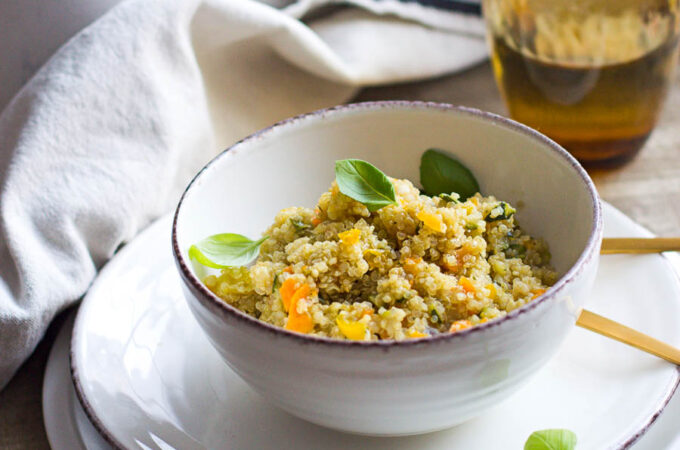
(107, 134)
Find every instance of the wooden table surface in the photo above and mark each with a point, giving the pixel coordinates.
(647, 189)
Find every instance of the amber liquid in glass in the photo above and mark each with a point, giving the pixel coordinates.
(601, 114)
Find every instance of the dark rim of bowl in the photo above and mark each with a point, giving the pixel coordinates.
(218, 306)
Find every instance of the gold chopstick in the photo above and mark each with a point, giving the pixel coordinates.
(639, 245)
(614, 330)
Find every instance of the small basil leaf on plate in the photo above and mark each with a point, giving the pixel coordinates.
(556, 439)
(441, 174)
(225, 250)
(363, 182)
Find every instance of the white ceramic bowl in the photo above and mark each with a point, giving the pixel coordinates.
(388, 387)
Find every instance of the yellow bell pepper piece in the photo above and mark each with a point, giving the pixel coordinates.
(467, 285)
(459, 325)
(350, 237)
(355, 331)
(492, 290)
(417, 334)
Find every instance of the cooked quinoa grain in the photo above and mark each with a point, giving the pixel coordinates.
(424, 266)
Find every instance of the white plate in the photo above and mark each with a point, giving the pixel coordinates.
(69, 429)
(149, 377)
(66, 424)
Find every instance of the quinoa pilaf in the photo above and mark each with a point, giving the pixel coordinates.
(414, 268)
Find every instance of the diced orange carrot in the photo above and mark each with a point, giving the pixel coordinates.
(467, 285)
(460, 255)
(461, 252)
(416, 334)
(411, 265)
(452, 267)
(537, 293)
(287, 290)
(432, 221)
(303, 291)
(316, 219)
(459, 325)
(367, 313)
(300, 322)
(288, 269)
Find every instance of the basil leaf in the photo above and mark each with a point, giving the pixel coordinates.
(225, 250)
(441, 174)
(551, 440)
(363, 182)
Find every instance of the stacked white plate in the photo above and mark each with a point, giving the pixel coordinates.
(147, 377)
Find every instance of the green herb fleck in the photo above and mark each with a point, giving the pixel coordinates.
(452, 197)
(487, 312)
(435, 317)
(441, 174)
(275, 282)
(363, 182)
(225, 250)
(518, 249)
(471, 226)
(556, 439)
(299, 225)
(407, 295)
(501, 211)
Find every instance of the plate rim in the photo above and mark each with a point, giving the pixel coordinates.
(109, 437)
(61, 395)
(92, 416)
